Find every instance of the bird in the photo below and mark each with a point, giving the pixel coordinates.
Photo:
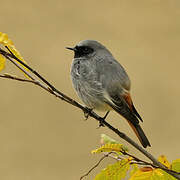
(102, 83)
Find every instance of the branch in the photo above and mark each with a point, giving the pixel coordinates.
(95, 166)
(137, 160)
(50, 88)
(117, 157)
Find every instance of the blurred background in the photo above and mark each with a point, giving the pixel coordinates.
(42, 137)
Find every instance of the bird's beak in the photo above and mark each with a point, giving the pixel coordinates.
(72, 49)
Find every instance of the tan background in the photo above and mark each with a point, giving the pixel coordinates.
(44, 138)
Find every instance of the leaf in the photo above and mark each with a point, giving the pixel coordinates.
(134, 169)
(147, 173)
(2, 62)
(115, 171)
(163, 160)
(107, 140)
(166, 176)
(109, 148)
(5, 41)
(175, 166)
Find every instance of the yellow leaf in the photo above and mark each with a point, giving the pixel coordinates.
(115, 171)
(176, 165)
(134, 169)
(2, 62)
(147, 173)
(5, 41)
(163, 160)
(109, 148)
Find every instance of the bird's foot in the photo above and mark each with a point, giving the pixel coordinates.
(86, 114)
(101, 122)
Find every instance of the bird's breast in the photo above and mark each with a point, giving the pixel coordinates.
(87, 86)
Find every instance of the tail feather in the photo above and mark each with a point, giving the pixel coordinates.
(140, 134)
(121, 107)
(136, 113)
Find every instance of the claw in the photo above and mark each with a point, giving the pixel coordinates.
(101, 124)
(86, 114)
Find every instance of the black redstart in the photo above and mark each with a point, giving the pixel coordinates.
(102, 83)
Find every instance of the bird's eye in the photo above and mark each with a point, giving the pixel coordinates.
(87, 50)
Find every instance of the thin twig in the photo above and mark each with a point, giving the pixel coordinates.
(114, 155)
(139, 163)
(95, 166)
(20, 67)
(91, 113)
(6, 54)
(9, 76)
(136, 160)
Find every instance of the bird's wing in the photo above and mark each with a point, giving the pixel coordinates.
(120, 105)
(116, 85)
(117, 102)
(127, 98)
(109, 70)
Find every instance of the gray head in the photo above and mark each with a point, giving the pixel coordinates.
(88, 48)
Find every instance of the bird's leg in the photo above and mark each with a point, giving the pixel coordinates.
(86, 114)
(103, 118)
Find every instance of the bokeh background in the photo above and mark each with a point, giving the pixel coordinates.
(44, 138)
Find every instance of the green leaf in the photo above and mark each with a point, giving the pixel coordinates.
(175, 166)
(115, 171)
(108, 140)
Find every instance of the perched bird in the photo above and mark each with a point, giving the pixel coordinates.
(103, 84)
